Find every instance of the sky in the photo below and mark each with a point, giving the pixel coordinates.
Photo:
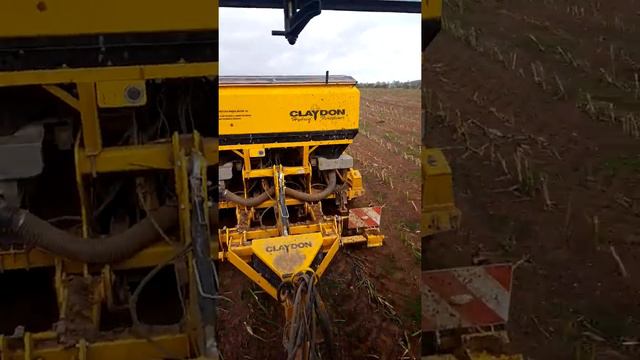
(368, 46)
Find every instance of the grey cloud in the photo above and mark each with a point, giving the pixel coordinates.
(367, 46)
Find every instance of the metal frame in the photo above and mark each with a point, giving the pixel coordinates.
(235, 243)
(298, 13)
(34, 346)
(91, 159)
(244, 152)
(439, 213)
(400, 6)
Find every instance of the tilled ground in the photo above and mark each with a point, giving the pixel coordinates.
(536, 107)
(372, 294)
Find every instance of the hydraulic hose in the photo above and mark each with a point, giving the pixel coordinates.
(300, 195)
(303, 196)
(248, 202)
(32, 231)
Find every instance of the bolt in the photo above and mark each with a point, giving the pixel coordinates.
(133, 94)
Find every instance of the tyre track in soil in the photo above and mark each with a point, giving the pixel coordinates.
(580, 57)
(361, 329)
(568, 278)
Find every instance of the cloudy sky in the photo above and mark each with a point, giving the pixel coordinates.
(368, 46)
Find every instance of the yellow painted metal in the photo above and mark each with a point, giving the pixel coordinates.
(63, 95)
(431, 9)
(375, 240)
(257, 151)
(369, 238)
(28, 346)
(278, 184)
(75, 17)
(19, 259)
(157, 156)
(182, 188)
(288, 108)
(354, 179)
(487, 345)
(327, 228)
(89, 116)
(148, 257)
(156, 347)
(285, 145)
(80, 186)
(35, 258)
(289, 170)
(287, 255)
(4, 350)
(241, 242)
(61, 293)
(241, 265)
(240, 246)
(438, 209)
(114, 73)
(113, 94)
(353, 239)
(328, 258)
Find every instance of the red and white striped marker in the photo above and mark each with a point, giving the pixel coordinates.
(466, 297)
(368, 217)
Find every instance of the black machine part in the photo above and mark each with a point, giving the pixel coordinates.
(300, 195)
(298, 13)
(204, 268)
(31, 231)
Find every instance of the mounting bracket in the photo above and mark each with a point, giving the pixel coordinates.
(297, 14)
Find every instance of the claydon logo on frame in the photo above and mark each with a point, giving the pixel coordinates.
(303, 114)
(288, 247)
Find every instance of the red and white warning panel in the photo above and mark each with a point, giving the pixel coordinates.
(466, 297)
(368, 217)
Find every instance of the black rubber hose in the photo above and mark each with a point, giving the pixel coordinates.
(300, 195)
(248, 202)
(325, 326)
(35, 232)
(303, 196)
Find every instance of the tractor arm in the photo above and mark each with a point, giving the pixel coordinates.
(298, 13)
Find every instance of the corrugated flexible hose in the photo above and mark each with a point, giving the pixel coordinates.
(300, 195)
(35, 232)
(248, 202)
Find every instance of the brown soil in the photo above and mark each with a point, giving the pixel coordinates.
(553, 86)
(372, 294)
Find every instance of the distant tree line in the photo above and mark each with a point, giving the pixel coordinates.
(414, 84)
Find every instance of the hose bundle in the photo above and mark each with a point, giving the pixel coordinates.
(299, 195)
(308, 310)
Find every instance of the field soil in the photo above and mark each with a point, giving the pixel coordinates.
(372, 295)
(536, 106)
